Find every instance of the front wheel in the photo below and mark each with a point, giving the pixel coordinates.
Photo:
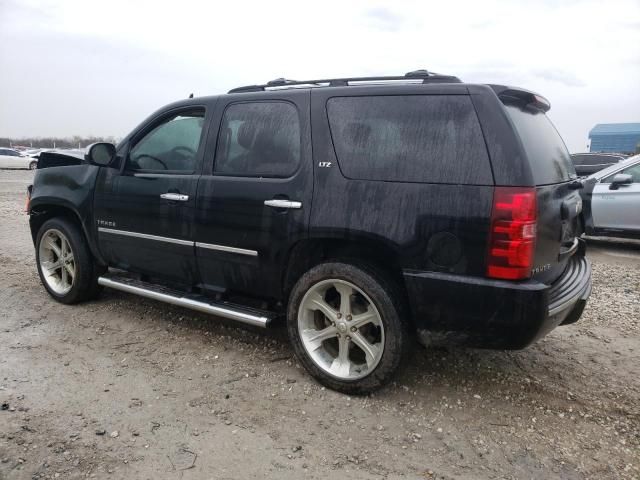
(348, 326)
(64, 261)
(33, 165)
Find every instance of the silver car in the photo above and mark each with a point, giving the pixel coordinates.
(612, 200)
(10, 158)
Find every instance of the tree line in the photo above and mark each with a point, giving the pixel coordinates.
(53, 142)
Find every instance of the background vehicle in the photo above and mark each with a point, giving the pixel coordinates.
(10, 158)
(612, 200)
(362, 209)
(35, 152)
(588, 163)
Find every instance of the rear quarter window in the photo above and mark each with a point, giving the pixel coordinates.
(548, 155)
(410, 138)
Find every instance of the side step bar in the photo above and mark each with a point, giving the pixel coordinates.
(250, 316)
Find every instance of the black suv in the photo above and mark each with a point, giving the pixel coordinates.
(368, 211)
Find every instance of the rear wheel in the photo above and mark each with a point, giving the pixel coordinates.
(65, 264)
(348, 327)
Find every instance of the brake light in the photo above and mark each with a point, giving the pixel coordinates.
(513, 233)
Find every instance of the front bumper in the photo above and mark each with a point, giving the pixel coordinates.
(489, 313)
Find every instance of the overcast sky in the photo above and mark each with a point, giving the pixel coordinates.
(85, 67)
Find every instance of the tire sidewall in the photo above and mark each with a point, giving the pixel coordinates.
(384, 296)
(82, 259)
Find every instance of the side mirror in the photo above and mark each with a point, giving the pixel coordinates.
(100, 154)
(620, 179)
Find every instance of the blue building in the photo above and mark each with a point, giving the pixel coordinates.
(615, 137)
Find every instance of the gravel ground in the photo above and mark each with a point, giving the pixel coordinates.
(124, 387)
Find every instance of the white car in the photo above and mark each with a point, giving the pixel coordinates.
(612, 200)
(10, 158)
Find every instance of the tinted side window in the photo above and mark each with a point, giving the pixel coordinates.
(547, 153)
(412, 138)
(259, 139)
(171, 146)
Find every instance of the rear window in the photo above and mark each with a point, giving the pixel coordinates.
(412, 138)
(547, 153)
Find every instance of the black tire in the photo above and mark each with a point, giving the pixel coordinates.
(33, 165)
(390, 302)
(85, 283)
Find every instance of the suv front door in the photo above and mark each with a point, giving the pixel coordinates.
(254, 200)
(144, 211)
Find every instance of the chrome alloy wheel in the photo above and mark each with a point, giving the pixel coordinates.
(341, 329)
(57, 262)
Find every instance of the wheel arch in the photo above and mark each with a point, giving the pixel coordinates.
(40, 212)
(307, 253)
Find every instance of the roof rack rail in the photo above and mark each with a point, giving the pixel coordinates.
(416, 76)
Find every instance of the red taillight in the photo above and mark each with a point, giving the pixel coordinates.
(513, 233)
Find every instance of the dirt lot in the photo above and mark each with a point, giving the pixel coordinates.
(129, 388)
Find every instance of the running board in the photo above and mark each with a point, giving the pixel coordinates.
(239, 313)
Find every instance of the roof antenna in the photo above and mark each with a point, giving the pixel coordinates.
(191, 95)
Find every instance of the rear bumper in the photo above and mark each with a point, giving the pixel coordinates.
(489, 313)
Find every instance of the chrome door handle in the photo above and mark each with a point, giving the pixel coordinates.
(277, 203)
(177, 197)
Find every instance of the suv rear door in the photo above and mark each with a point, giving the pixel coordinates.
(254, 197)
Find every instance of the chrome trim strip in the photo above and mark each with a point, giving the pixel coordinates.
(177, 241)
(146, 236)
(249, 319)
(224, 248)
(278, 203)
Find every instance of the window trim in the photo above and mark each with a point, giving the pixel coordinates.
(271, 177)
(155, 122)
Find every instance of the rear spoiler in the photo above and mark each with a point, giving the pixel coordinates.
(519, 95)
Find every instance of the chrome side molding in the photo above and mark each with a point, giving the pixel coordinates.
(178, 241)
(224, 248)
(146, 236)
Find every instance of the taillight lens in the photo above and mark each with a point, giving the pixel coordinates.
(513, 233)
